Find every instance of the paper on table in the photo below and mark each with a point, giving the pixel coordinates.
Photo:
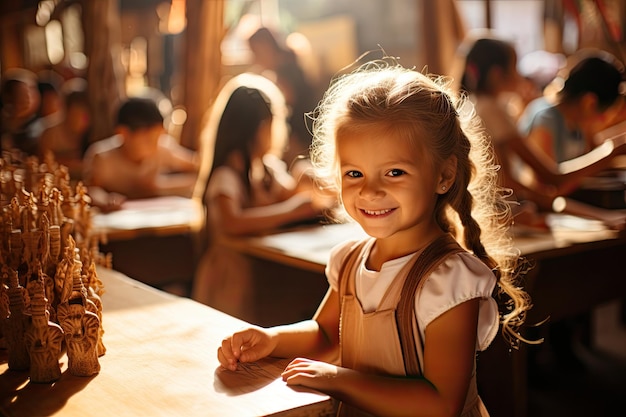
(148, 213)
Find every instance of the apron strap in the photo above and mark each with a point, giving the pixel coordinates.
(426, 262)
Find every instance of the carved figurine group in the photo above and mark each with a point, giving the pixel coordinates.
(50, 293)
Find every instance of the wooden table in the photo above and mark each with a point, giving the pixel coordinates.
(577, 266)
(160, 361)
(152, 240)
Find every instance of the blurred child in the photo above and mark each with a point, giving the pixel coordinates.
(68, 139)
(490, 74)
(280, 63)
(407, 308)
(20, 122)
(587, 100)
(140, 161)
(248, 189)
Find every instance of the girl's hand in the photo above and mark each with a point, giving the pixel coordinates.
(248, 345)
(309, 373)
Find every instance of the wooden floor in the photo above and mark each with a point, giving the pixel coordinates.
(592, 385)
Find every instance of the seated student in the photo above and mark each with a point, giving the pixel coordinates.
(280, 63)
(21, 124)
(247, 190)
(489, 74)
(140, 161)
(562, 127)
(68, 139)
(49, 84)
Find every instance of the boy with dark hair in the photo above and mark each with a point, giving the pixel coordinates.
(139, 161)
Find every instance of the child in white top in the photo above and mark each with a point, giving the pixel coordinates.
(411, 169)
(246, 188)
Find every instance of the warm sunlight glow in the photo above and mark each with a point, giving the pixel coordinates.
(177, 20)
(54, 41)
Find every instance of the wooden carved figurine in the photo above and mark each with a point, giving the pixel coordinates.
(4, 313)
(43, 339)
(81, 325)
(81, 328)
(95, 289)
(17, 323)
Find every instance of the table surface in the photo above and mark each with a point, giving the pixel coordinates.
(160, 216)
(309, 247)
(160, 361)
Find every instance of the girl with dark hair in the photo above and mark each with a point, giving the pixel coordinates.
(490, 73)
(246, 190)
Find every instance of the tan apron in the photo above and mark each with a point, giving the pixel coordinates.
(374, 342)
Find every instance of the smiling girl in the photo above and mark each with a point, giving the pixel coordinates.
(408, 307)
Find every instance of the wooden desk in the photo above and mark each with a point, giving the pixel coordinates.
(161, 216)
(152, 240)
(578, 266)
(309, 247)
(160, 361)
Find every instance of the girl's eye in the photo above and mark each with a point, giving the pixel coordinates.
(353, 174)
(396, 172)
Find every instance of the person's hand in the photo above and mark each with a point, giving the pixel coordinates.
(310, 373)
(105, 201)
(248, 345)
(114, 202)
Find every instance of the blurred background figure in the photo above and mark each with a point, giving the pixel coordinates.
(21, 123)
(67, 140)
(280, 64)
(562, 124)
(245, 187)
(49, 84)
(139, 161)
(490, 77)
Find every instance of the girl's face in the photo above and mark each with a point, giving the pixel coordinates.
(263, 142)
(388, 185)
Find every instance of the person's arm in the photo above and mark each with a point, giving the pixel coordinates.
(181, 159)
(568, 175)
(541, 140)
(237, 220)
(448, 364)
(105, 200)
(316, 338)
(178, 184)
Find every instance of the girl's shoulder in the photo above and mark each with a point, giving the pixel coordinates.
(338, 255)
(538, 110)
(224, 180)
(461, 276)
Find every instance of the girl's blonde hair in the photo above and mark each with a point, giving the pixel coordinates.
(423, 108)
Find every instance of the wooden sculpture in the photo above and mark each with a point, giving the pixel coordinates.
(43, 338)
(49, 289)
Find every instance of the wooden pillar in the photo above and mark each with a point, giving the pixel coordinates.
(105, 74)
(440, 33)
(11, 46)
(203, 64)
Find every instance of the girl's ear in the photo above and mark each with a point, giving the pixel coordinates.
(447, 175)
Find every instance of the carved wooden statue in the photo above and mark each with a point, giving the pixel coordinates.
(17, 323)
(79, 319)
(44, 339)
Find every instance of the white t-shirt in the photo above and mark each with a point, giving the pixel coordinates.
(461, 277)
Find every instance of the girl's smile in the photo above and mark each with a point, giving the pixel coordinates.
(377, 213)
